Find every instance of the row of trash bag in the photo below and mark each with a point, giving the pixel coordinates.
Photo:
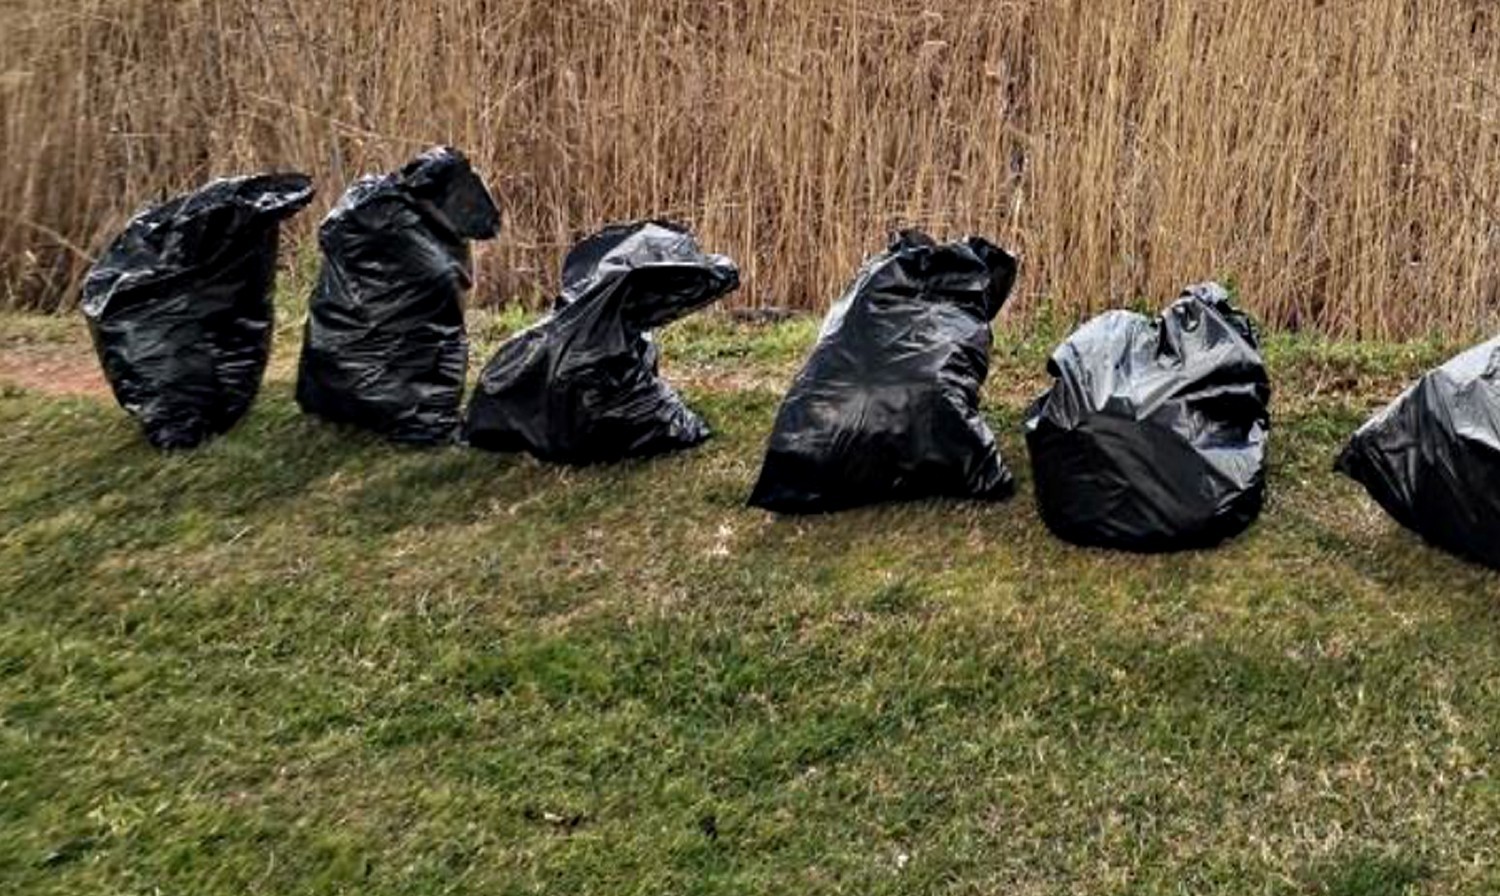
(1152, 437)
(181, 314)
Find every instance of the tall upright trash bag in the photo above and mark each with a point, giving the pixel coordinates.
(887, 406)
(1432, 458)
(385, 347)
(582, 386)
(1153, 437)
(180, 308)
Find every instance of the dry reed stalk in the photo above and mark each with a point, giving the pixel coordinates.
(1341, 160)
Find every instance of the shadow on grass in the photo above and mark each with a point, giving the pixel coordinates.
(1368, 874)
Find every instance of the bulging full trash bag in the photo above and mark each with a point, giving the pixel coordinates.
(180, 305)
(385, 345)
(1432, 458)
(582, 386)
(887, 407)
(1153, 437)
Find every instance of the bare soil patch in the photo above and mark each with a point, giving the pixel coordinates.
(64, 369)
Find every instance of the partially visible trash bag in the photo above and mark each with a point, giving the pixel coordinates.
(1153, 437)
(887, 407)
(1432, 458)
(385, 346)
(180, 305)
(581, 386)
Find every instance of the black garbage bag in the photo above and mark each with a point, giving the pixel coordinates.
(385, 346)
(1432, 458)
(887, 407)
(180, 305)
(582, 386)
(1153, 437)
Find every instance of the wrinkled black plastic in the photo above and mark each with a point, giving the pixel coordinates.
(385, 346)
(887, 407)
(1432, 458)
(180, 305)
(581, 386)
(1153, 437)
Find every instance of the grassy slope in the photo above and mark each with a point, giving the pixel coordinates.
(300, 661)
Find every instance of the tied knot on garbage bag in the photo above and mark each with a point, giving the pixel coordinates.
(887, 406)
(1432, 458)
(1153, 437)
(385, 346)
(180, 310)
(582, 386)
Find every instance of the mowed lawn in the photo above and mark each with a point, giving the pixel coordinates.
(300, 661)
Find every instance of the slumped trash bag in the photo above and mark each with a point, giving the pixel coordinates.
(1153, 437)
(887, 406)
(180, 308)
(581, 386)
(1432, 458)
(385, 346)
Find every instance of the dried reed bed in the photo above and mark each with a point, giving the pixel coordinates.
(1340, 160)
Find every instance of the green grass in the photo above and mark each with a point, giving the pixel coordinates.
(300, 661)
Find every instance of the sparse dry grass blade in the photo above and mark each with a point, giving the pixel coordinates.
(1341, 160)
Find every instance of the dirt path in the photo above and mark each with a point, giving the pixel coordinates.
(61, 368)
